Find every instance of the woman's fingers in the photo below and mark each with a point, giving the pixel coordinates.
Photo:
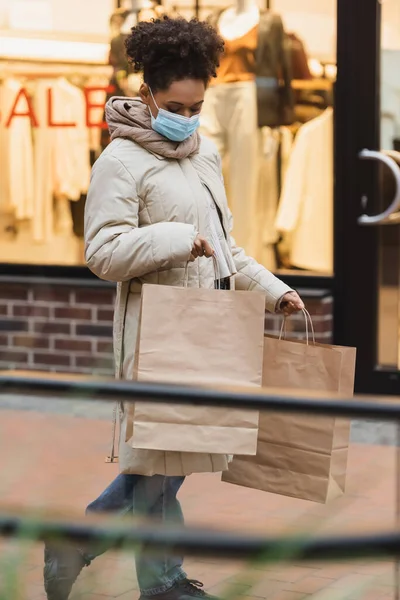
(291, 303)
(208, 250)
(201, 248)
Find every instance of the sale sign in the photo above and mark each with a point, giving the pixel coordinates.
(22, 108)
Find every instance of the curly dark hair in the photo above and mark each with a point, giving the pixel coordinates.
(168, 50)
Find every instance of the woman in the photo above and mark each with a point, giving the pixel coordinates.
(156, 212)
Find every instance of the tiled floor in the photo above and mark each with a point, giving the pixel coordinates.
(54, 464)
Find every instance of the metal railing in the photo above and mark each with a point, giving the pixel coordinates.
(195, 541)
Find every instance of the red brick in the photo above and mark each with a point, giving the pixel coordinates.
(51, 294)
(13, 325)
(44, 358)
(95, 296)
(13, 356)
(320, 325)
(31, 310)
(52, 327)
(105, 314)
(104, 347)
(13, 292)
(30, 341)
(73, 313)
(322, 306)
(73, 344)
(95, 362)
(95, 330)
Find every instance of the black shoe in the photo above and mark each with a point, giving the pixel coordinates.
(62, 565)
(187, 589)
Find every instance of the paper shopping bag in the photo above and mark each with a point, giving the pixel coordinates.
(302, 456)
(198, 337)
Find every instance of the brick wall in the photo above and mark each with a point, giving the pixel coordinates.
(66, 326)
(320, 307)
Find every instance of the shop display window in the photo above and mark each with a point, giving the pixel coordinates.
(269, 111)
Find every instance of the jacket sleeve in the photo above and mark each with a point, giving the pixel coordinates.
(116, 247)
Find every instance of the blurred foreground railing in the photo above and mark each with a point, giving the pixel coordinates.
(129, 391)
(191, 541)
(194, 541)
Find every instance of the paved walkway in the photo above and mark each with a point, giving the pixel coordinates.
(54, 464)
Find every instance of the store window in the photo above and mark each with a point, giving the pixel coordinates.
(270, 113)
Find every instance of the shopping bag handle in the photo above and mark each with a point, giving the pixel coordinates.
(309, 326)
(217, 274)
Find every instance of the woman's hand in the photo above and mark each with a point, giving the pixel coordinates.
(201, 248)
(291, 303)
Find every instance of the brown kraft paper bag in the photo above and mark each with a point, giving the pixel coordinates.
(302, 456)
(193, 336)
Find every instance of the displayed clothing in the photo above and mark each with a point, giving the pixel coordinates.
(298, 57)
(306, 204)
(16, 156)
(238, 63)
(62, 156)
(229, 118)
(272, 71)
(252, 90)
(276, 145)
(274, 74)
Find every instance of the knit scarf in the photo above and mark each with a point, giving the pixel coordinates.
(130, 118)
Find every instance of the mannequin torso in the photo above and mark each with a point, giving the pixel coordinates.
(238, 20)
(238, 26)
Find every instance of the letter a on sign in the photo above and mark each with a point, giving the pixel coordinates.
(27, 112)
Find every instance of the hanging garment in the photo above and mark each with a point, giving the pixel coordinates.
(306, 204)
(299, 59)
(275, 150)
(229, 118)
(62, 155)
(73, 167)
(16, 155)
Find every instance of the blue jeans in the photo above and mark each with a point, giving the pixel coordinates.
(154, 497)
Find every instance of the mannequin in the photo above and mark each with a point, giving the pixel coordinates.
(238, 20)
(247, 95)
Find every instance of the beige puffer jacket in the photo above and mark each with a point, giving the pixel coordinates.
(143, 213)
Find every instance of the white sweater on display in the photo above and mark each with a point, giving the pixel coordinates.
(306, 205)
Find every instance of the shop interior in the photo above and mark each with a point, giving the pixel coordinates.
(56, 72)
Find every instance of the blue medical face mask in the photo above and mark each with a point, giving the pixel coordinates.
(174, 127)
